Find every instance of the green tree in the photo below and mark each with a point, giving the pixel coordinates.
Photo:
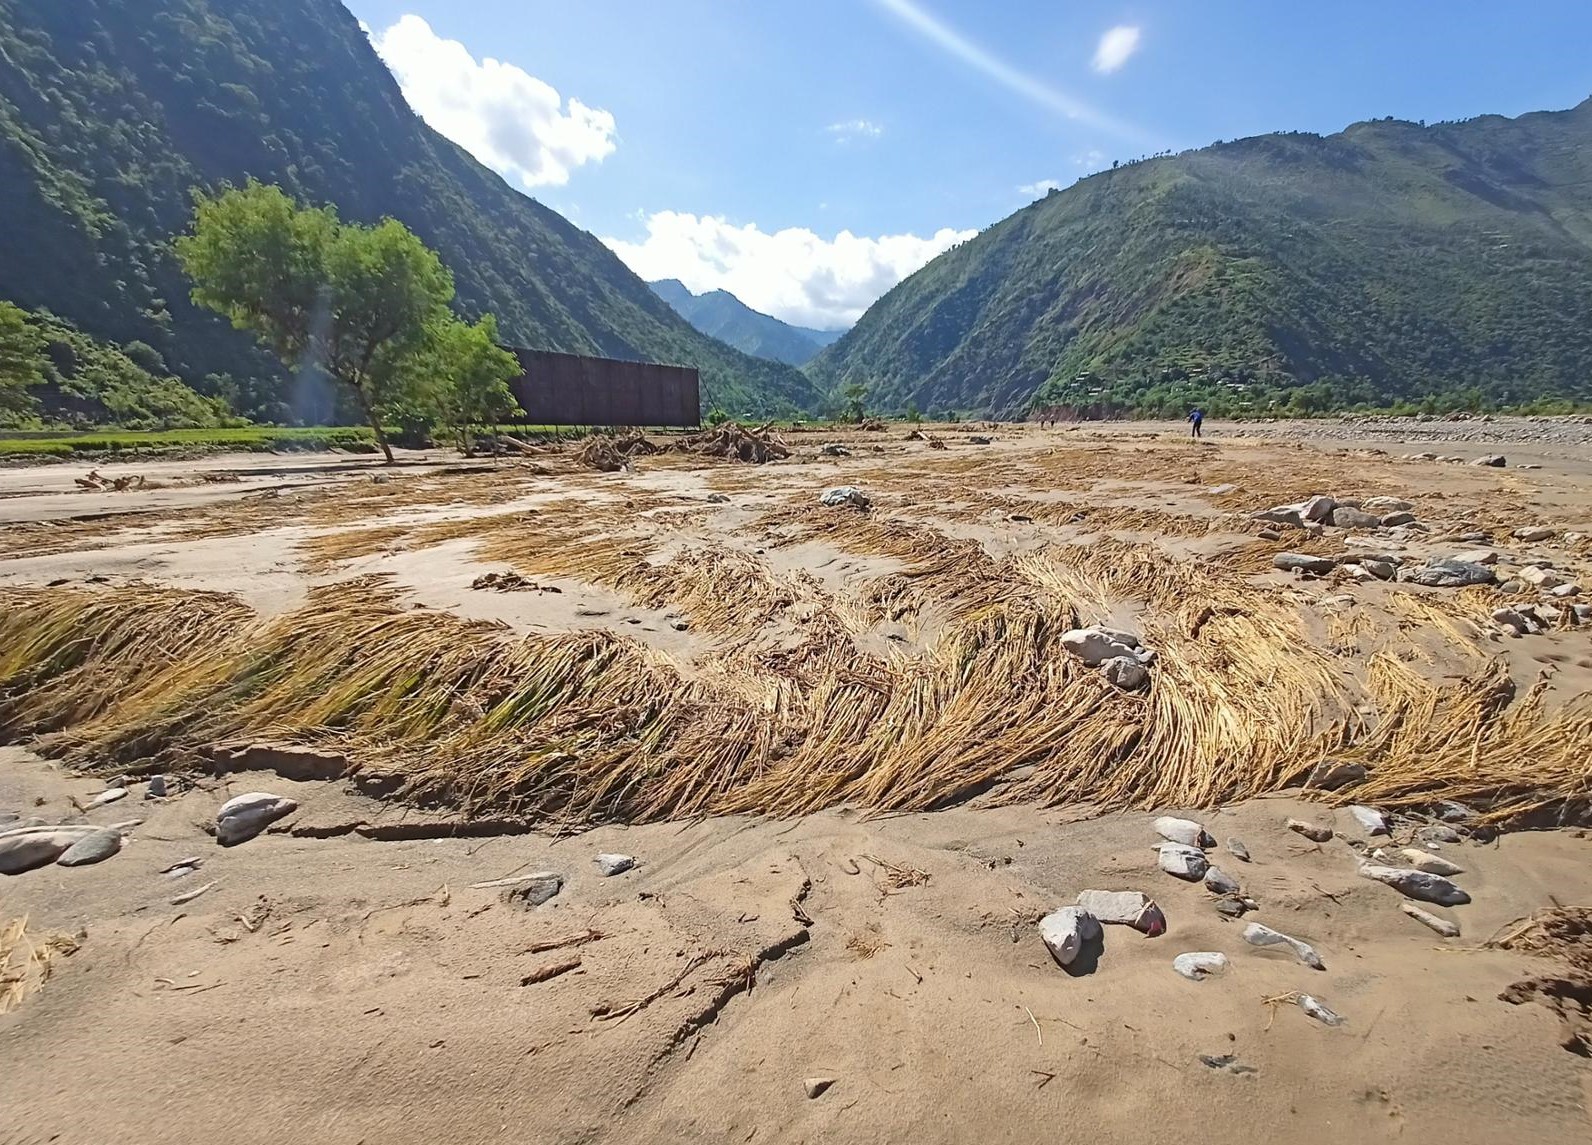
(21, 362)
(856, 395)
(462, 375)
(361, 303)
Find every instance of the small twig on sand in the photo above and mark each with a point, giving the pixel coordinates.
(578, 938)
(1037, 1030)
(552, 970)
(1290, 998)
(1045, 1077)
(914, 973)
(189, 896)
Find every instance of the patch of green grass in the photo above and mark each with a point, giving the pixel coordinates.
(42, 444)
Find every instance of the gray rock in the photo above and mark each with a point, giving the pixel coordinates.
(1199, 964)
(1452, 811)
(1565, 591)
(1236, 848)
(1514, 620)
(1257, 935)
(718, 498)
(1124, 908)
(1582, 612)
(1125, 673)
(1512, 587)
(1496, 460)
(24, 848)
(1281, 515)
(844, 495)
(980, 439)
(109, 796)
(1094, 646)
(1372, 821)
(534, 891)
(611, 865)
(93, 848)
(1065, 932)
(1235, 906)
(1219, 882)
(1331, 776)
(1222, 490)
(834, 449)
(156, 788)
(1318, 508)
(1533, 533)
(1381, 570)
(1438, 833)
(1477, 557)
(1448, 574)
(1317, 1011)
(1417, 884)
(1184, 831)
(1430, 864)
(1304, 562)
(244, 816)
(1396, 518)
(1442, 925)
(1540, 576)
(1388, 504)
(1183, 862)
(1269, 535)
(1348, 518)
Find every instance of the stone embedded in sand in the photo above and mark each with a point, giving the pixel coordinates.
(534, 890)
(815, 1086)
(1199, 964)
(1417, 884)
(1183, 862)
(1540, 576)
(1222, 490)
(980, 439)
(611, 865)
(718, 498)
(834, 449)
(243, 817)
(1097, 644)
(1449, 574)
(1125, 908)
(1533, 533)
(1372, 821)
(1237, 849)
(844, 495)
(1388, 504)
(1395, 519)
(108, 796)
(1315, 832)
(1345, 517)
(1235, 906)
(1426, 918)
(1257, 935)
(1185, 831)
(92, 848)
(1565, 591)
(1304, 562)
(1515, 621)
(1066, 930)
(1496, 460)
(1439, 833)
(156, 789)
(1219, 882)
(1478, 556)
(1382, 570)
(1280, 515)
(24, 848)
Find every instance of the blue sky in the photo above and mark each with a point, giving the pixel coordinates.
(808, 155)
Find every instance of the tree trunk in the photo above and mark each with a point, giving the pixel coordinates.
(375, 424)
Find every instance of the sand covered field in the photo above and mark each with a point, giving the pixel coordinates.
(858, 752)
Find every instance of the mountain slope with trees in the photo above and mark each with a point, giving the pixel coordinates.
(1448, 265)
(719, 314)
(112, 111)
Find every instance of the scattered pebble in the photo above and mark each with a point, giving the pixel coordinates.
(1227, 1063)
(1304, 562)
(1319, 1012)
(1185, 831)
(1236, 848)
(243, 817)
(108, 796)
(1128, 908)
(1315, 832)
(535, 890)
(611, 865)
(1219, 882)
(814, 1086)
(1200, 964)
(1183, 862)
(1257, 935)
(718, 498)
(91, 848)
(1438, 833)
(1429, 863)
(156, 789)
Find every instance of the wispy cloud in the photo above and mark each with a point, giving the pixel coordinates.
(1042, 187)
(851, 130)
(1115, 47)
(1091, 160)
(1014, 79)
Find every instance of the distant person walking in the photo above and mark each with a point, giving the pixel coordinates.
(1196, 418)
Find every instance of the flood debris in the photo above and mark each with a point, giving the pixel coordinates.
(1426, 918)
(845, 495)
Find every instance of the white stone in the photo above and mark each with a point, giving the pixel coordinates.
(1183, 862)
(1257, 935)
(1417, 884)
(1066, 930)
(1200, 964)
(1370, 820)
(1185, 831)
(1125, 908)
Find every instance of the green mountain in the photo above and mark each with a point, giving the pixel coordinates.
(719, 314)
(112, 110)
(1392, 262)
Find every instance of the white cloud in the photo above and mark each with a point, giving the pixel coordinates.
(508, 119)
(1036, 91)
(1115, 47)
(1091, 160)
(793, 274)
(1042, 187)
(855, 129)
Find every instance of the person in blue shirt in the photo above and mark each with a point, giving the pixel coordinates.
(1196, 418)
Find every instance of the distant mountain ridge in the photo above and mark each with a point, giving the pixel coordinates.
(1390, 263)
(112, 110)
(719, 314)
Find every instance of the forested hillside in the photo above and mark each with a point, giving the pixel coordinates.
(1447, 265)
(111, 111)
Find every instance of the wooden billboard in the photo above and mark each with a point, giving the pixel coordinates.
(570, 389)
